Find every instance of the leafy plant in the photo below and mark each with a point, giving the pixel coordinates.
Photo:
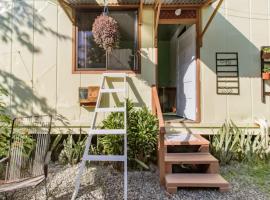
(266, 49)
(4, 140)
(266, 68)
(73, 150)
(141, 132)
(232, 143)
(224, 143)
(53, 152)
(4, 117)
(24, 141)
(4, 125)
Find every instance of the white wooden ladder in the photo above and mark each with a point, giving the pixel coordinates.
(94, 131)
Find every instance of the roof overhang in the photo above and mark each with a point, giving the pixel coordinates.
(70, 6)
(186, 3)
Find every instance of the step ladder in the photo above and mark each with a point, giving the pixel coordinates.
(94, 131)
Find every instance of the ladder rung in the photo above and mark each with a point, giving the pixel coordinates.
(114, 90)
(116, 109)
(115, 75)
(108, 131)
(105, 158)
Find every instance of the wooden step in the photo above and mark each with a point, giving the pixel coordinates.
(196, 180)
(184, 139)
(190, 158)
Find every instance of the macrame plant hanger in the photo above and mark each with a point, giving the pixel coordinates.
(106, 13)
(106, 8)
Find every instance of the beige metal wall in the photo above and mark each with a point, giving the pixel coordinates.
(241, 26)
(36, 68)
(36, 62)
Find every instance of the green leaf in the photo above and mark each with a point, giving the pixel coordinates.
(141, 164)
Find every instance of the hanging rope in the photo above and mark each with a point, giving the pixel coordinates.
(106, 8)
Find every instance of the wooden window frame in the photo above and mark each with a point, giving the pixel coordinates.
(75, 69)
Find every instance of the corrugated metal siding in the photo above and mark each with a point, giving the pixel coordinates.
(78, 2)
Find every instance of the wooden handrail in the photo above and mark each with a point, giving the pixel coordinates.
(156, 109)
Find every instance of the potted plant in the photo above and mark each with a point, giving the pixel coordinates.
(266, 53)
(266, 73)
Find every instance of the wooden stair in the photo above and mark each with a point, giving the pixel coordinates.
(190, 158)
(201, 157)
(195, 180)
(187, 150)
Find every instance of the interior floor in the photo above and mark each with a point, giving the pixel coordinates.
(173, 118)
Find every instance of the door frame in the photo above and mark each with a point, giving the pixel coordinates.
(197, 22)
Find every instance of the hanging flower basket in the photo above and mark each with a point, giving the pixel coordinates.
(106, 32)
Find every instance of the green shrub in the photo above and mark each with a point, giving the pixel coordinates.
(232, 143)
(4, 117)
(4, 140)
(266, 49)
(73, 150)
(4, 125)
(142, 132)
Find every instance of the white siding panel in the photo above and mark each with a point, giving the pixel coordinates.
(260, 36)
(5, 48)
(67, 83)
(22, 58)
(246, 29)
(45, 62)
(213, 106)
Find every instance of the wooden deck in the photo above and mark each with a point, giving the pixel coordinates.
(184, 139)
(196, 180)
(198, 158)
(190, 158)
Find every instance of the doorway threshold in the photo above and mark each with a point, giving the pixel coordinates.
(171, 117)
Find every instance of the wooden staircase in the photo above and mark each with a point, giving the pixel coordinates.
(184, 158)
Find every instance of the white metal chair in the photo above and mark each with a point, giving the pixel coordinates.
(27, 161)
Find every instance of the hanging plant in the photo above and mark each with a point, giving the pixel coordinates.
(106, 32)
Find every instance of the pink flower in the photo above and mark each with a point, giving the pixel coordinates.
(106, 32)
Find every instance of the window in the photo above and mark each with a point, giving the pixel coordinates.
(89, 56)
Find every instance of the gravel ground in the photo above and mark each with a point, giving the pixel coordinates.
(100, 182)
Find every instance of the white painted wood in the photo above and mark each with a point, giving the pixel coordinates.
(186, 74)
(115, 75)
(114, 90)
(116, 109)
(125, 141)
(108, 131)
(86, 156)
(105, 158)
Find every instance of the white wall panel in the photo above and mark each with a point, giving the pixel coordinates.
(67, 83)
(6, 48)
(45, 60)
(22, 58)
(245, 25)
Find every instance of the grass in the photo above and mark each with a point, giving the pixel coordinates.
(257, 174)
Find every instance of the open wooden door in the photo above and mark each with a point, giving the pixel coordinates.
(186, 74)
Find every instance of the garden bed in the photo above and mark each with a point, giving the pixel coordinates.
(100, 182)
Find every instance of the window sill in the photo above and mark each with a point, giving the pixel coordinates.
(104, 71)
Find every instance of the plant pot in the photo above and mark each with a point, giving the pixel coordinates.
(266, 56)
(266, 75)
